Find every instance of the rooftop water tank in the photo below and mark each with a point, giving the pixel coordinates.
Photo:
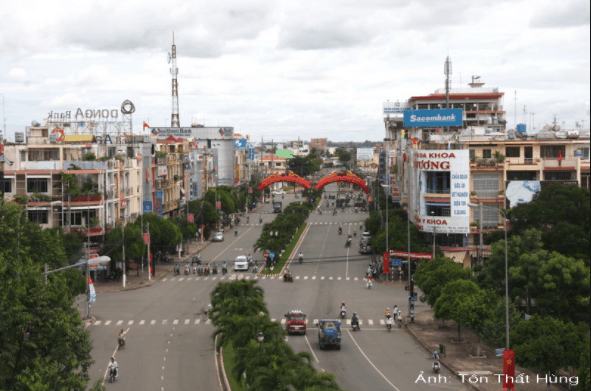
(521, 128)
(19, 137)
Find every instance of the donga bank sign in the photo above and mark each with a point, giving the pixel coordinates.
(432, 118)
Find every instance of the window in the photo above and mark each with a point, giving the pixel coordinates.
(38, 185)
(38, 216)
(6, 186)
(585, 153)
(472, 153)
(74, 218)
(521, 175)
(23, 156)
(278, 164)
(490, 217)
(486, 154)
(552, 151)
(486, 185)
(557, 175)
(439, 210)
(512, 151)
(437, 182)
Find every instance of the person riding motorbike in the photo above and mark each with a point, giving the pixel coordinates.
(236, 232)
(388, 314)
(177, 270)
(395, 310)
(369, 284)
(355, 321)
(368, 272)
(187, 268)
(340, 230)
(247, 219)
(255, 268)
(260, 219)
(399, 319)
(301, 257)
(355, 232)
(436, 366)
(287, 275)
(249, 259)
(356, 210)
(224, 267)
(343, 306)
(121, 339)
(114, 367)
(215, 268)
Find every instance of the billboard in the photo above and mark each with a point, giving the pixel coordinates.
(457, 163)
(202, 133)
(364, 154)
(240, 144)
(147, 207)
(159, 200)
(432, 118)
(161, 171)
(519, 192)
(251, 153)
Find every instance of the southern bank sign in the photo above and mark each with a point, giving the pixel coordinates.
(432, 118)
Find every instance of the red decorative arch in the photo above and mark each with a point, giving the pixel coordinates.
(342, 177)
(284, 177)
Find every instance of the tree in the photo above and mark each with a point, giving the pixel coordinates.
(210, 214)
(563, 212)
(548, 344)
(164, 234)
(433, 276)
(584, 371)
(135, 246)
(43, 344)
(465, 303)
(494, 330)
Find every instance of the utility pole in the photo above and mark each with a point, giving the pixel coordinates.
(149, 263)
(481, 252)
(123, 236)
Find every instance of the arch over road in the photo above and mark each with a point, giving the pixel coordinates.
(284, 177)
(342, 177)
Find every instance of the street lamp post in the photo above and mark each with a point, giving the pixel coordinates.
(434, 233)
(472, 205)
(260, 337)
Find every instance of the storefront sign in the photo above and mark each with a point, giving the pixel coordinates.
(159, 196)
(161, 171)
(432, 118)
(147, 207)
(85, 114)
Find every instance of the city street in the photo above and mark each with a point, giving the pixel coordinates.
(169, 347)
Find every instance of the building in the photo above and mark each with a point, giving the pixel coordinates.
(318, 144)
(436, 174)
(240, 159)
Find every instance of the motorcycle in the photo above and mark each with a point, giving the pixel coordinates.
(121, 342)
(260, 220)
(287, 278)
(283, 196)
(356, 211)
(355, 233)
(399, 320)
(348, 244)
(206, 271)
(255, 269)
(224, 270)
(301, 259)
(343, 314)
(412, 315)
(334, 212)
(177, 271)
(369, 284)
(112, 374)
(436, 366)
(389, 323)
(340, 231)
(194, 269)
(355, 325)
(319, 212)
(200, 270)
(235, 232)
(215, 269)
(187, 270)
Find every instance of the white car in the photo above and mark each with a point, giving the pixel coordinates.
(279, 192)
(241, 263)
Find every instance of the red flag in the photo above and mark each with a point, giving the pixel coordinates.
(386, 265)
(146, 126)
(437, 130)
(559, 155)
(509, 369)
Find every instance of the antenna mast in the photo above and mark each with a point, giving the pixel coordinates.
(447, 71)
(174, 117)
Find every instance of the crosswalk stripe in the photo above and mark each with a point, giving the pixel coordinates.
(273, 320)
(119, 322)
(164, 279)
(313, 277)
(176, 321)
(348, 321)
(213, 278)
(97, 323)
(108, 322)
(130, 323)
(382, 322)
(315, 321)
(206, 278)
(189, 279)
(153, 322)
(282, 321)
(187, 321)
(305, 277)
(297, 277)
(164, 321)
(247, 278)
(223, 278)
(356, 278)
(197, 278)
(208, 321)
(142, 321)
(330, 278)
(348, 278)
(370, 322)
(322, 278)
(197, 321)
(338, 279)
(181, 279)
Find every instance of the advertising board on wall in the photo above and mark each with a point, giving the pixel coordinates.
(158, 204)
(519, 192)
(432, 118)
(161, 171)
(240, 144)
(202, 133)
(364, 154)
(457, 163)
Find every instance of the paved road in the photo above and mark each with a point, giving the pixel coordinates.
(170, 347)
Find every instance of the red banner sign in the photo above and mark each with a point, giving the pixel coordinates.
(191, 218)
(250, 190)
(404, 254)
(218, 205)
(146, 238)
(508, 369)
(386, 263)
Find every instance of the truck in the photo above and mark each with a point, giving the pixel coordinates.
(295, 322)
(329, 333)
(277, 206)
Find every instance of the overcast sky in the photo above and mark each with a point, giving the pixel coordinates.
(281, 69)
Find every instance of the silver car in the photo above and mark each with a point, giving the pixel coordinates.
(218, 237)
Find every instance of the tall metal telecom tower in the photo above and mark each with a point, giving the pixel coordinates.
(447, 71)
(174, 116)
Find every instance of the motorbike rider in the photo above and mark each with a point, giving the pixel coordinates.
(121, 338)
(340, 229)
(236, 231)
(301, 256)
(249, 259)
(177, 269)
(368, 273)
(225, 266)
(388, 314)
(187, 268)
(395, 310)
(113, 365)
(260, 219)
(343, 306)
(354, 231)
(287, 275)
(355, 320)
(247, 219)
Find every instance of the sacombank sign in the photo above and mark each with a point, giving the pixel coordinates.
(432, 118)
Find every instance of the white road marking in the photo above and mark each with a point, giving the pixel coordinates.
(312, 351)
(142, 321)
(130, 323)
(187, 321)
(247, 278)
(377, 370)
(189, 279)
(370, 322)
(349, 321)
(297, 277)
(164, 279)
(305, 277)
(197, 321)
(176, 321)
(348, 278)
(206, 278)
(153, 322)
(97, 323)
(108, 322)
(119, 322)
(315, 321)
(330, 278)
(282, 321)
(382, 322)
(273, 320)
(208, 321)
(338, 279)
(181, 279)
(322, 278)
(356, 278)
(164, 321)
(214, 278)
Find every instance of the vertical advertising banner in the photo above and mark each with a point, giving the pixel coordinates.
(159, 197)
(251, 153)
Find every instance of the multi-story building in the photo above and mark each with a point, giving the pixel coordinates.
(437, 174)
(318, 144)
(240, 162)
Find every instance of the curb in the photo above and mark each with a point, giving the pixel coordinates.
(443, 363)
(219, 363)
(288, 261)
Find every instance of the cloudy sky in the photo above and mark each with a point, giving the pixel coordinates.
(281, 69)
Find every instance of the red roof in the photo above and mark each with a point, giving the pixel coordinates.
(273, 157)
(480, 95)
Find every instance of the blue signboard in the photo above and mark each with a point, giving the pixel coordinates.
(159, 199)
(432, 118)
(187, 166)
(240, 144)
(147, 207)
(251, 153)
(396, 262)
(272, 255)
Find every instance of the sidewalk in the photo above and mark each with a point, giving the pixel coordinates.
(429, 334)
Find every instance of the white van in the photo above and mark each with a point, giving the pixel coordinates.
(241, 263)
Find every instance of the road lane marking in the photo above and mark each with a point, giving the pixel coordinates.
(371, 363)
(164, 279)
(338, 279)
(97, 323)
(247, 278)
(197, 321)
(214, 278)
(382, 322)
(330, 278)
(206, 278)
(297, 277)
(305, 277)
(356, 278)
(349, 321)
(181, 279)
(130, 323)
(153, 322)
(108, 322)
(164, 321)
(315, 321)
(370, 322)
(189, 279)
(142, 321)
(322, 278)
(176, 321)
(208, 321)
(119, 322)
(282, 321)
(222, 278)
(187, 321)
(348, 278)
(311, 350)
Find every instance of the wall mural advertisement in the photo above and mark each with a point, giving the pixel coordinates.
(427, 164)
(519, 192)
(158, 204)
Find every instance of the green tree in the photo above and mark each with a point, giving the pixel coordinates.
(135, 246)
(548, 344)
(584, 371)
(563, 211)
(164, 234)
(210, 214)
(433, 276)
(465, 303)
(494, 330)
(43, 344)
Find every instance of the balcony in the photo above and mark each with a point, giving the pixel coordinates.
(564, 164)
(520, 161)
(97, 231)
(161, 159)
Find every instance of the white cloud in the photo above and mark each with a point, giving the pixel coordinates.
(17, 74)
